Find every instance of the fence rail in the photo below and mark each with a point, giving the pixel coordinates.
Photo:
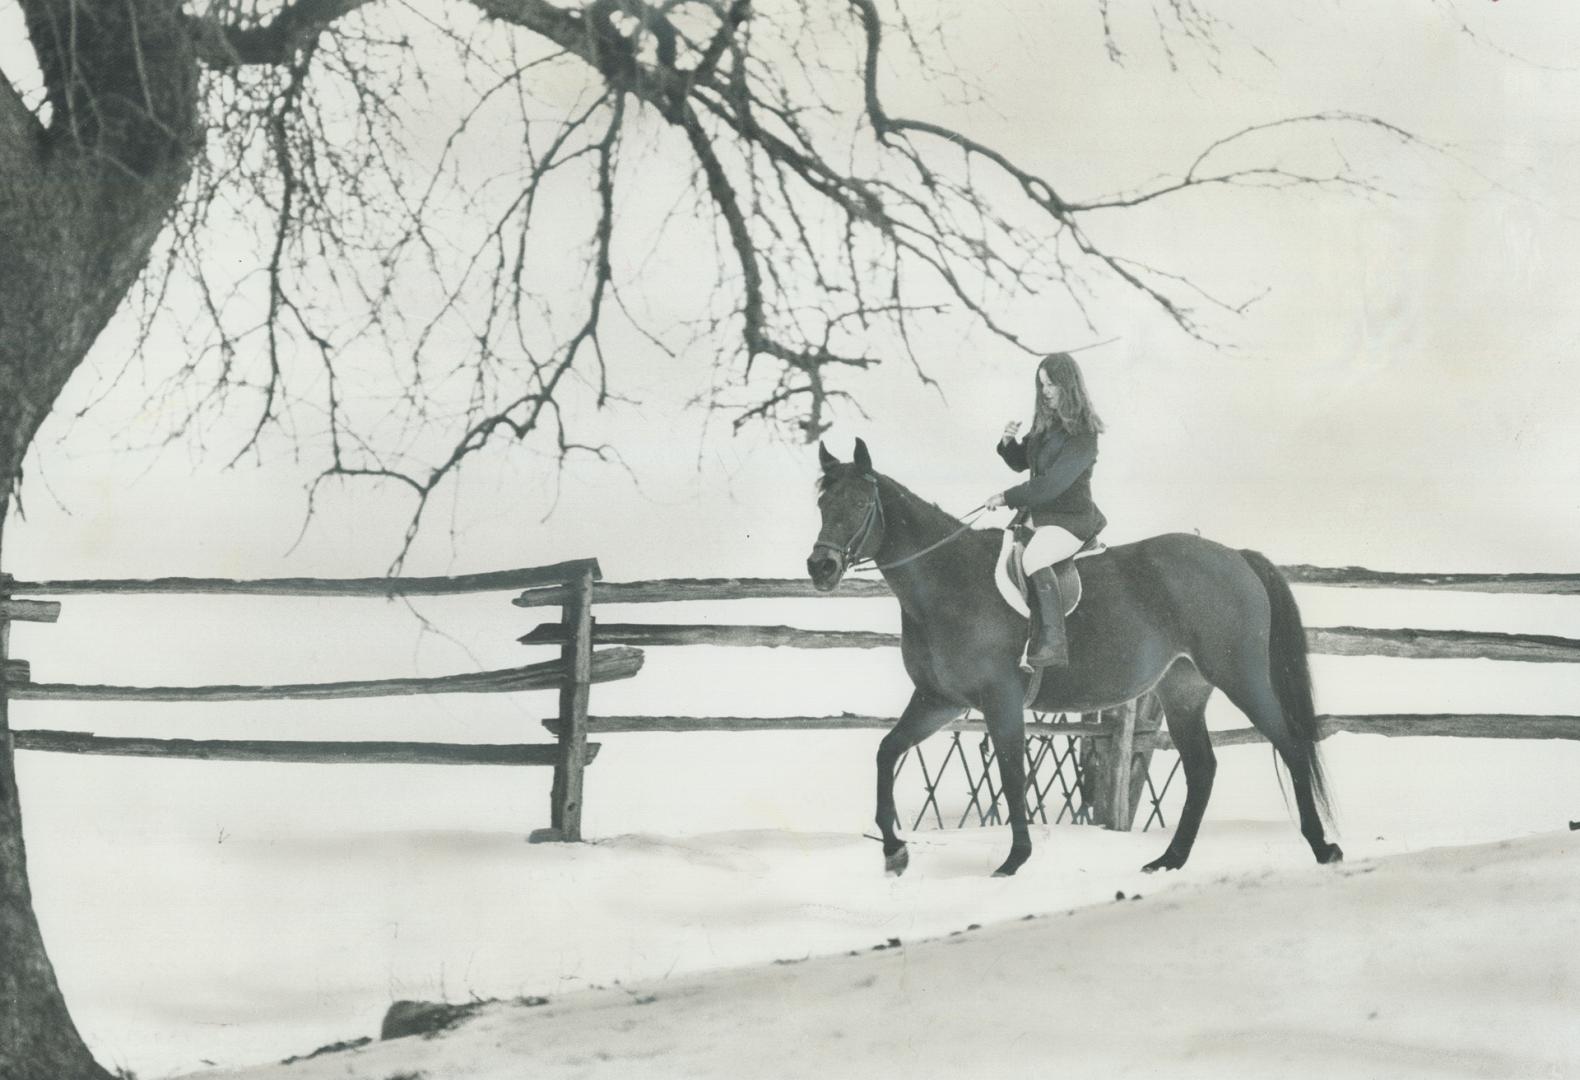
(1360, 577)
(610, 664)
(283, 751)
(627, 725)
(492, 581)
(671, 590)
(1332, 640)
(1460, 725)
(728, 635)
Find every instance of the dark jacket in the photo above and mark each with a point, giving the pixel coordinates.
(1060, 489)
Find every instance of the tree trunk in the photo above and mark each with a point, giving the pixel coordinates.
(38, 1040)
(81, 204)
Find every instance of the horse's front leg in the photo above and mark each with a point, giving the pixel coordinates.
(1005, 715)
(922, 717)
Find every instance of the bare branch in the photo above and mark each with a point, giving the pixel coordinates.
(223, 45)
(420, 298)
(1451, 13)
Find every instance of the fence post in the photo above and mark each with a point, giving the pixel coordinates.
(1107, 768)
(1120, 808)
(5, 663)
(565, 811)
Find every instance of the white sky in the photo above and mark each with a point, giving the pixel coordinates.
(1401, 397)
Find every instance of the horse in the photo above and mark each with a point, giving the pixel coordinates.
(1176, 614)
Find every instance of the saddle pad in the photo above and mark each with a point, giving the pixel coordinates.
(1011, 579)
(1007, 576)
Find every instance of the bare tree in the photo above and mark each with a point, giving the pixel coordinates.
(412, 308)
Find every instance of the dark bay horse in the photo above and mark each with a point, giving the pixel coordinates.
(1176, 614)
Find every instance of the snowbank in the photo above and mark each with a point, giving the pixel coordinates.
(229, 915)
(1446, 963)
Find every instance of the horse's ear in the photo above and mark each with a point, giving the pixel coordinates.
(827, 459)
(863, 459)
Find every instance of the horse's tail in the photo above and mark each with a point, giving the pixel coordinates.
(1292, 677)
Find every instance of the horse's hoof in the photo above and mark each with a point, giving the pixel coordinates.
(1330, 853)
(1012, 864)
(1165, 861)
(896, 861)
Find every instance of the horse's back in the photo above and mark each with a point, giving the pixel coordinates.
(1170, 546)
(1193, 589)
(1169, 561)
(1143, 604)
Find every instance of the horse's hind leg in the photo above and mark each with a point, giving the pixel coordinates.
(1259, 701)
(922, 717)
(1184, 693)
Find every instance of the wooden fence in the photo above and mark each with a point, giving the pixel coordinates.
(1117, 743)
(573, 673)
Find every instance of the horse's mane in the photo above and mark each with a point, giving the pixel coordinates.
(926, 514)
(925, 510)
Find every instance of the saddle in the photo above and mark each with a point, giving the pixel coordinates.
(1011, 575)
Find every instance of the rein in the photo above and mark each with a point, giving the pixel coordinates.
(874, 516)
(971, 515)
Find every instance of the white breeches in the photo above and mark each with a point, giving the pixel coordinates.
(1050, 544)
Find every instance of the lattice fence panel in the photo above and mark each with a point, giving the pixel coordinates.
(954, 783)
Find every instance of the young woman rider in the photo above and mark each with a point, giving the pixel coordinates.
(1059, 450)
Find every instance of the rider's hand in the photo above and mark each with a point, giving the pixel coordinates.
(994, 501)
(1011, 429)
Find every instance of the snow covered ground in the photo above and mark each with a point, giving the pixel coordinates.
(1456, 962)
(239, 914)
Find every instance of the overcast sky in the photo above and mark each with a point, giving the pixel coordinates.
(1401, 394)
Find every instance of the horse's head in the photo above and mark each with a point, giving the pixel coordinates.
(852, 517)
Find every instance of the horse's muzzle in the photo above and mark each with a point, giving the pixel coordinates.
(825, 569)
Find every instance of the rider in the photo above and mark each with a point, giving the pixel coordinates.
(1059, 450)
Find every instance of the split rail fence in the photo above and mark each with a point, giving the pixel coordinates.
(573, 673)
(1101, 773)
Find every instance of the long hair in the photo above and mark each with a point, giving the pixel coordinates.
(1074, 412)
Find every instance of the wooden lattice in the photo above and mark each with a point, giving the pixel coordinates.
(1069, 777)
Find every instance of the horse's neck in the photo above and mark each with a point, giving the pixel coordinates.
(911, 525)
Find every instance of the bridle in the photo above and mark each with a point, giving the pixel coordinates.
(874, 518)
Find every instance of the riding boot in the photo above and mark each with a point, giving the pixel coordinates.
(1049, 645)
